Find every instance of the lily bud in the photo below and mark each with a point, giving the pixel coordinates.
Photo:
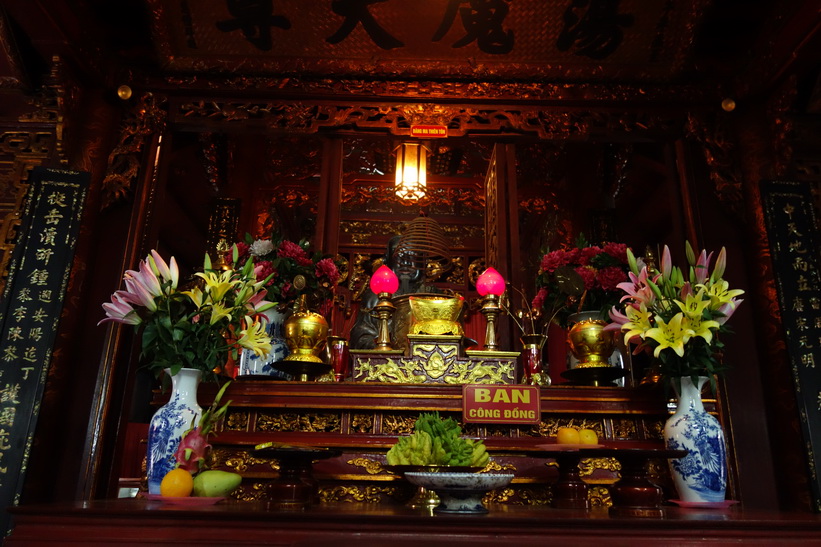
(631, 261)
(721, 265)
(666, 262)
(691, 255)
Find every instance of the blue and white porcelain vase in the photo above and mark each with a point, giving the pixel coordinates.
(251, 365)
(700, 476)
(169, 423)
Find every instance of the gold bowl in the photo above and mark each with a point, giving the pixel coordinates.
(436, 315)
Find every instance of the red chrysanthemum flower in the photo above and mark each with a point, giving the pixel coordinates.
(553, 260)
(289, 249)
(263, 269)
(327, 268)
(586, 254)
(617, 251)
(538, 300)
(610, 277)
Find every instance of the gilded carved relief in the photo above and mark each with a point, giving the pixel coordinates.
(718, 147)
(308, 422)
(393, 424)
(236, 421)
(357, 493)
(146, 121)
(361, 423)
(307, 117)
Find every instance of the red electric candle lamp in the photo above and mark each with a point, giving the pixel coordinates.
(491, 285)
(383, 283)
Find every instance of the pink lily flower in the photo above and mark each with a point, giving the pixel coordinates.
(727, 310)
(618, 319)
(637, 290)
(258, 302)
(686, 290)
(160, 267)
(703, 267)
(138, 294)
(119, 310)
(666, 263)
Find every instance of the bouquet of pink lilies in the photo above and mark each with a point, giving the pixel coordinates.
(200, 327)
(677, 318)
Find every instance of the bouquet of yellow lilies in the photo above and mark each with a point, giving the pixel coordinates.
(200, 327)
(678, 319)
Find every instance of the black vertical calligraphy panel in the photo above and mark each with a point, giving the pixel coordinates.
(29, 315)
(788, 208)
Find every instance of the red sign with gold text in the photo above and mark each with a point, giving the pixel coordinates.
(429, 131)
(500, 404)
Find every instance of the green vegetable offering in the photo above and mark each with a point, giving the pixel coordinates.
(437, 441)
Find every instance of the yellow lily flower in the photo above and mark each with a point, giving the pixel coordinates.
(196, 296)
(217, 285)
(720, 293)
(218, 311)
(700, 327)
(638, 322)
(255, 338)
(672, 334)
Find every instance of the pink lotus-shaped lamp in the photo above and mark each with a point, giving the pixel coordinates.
(491, 285)
(383, 283)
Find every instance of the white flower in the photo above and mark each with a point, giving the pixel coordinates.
(261, 247)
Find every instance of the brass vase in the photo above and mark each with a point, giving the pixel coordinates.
(306, 334)
(589, 342)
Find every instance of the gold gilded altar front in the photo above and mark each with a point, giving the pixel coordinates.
(434, 359)
(364, 419)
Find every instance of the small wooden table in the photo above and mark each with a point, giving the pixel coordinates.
(634, 494)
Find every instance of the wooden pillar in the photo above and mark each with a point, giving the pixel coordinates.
(502, 224)
(330, 197)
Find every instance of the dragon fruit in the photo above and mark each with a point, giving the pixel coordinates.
(193, 450)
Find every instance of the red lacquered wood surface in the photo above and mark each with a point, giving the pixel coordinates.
(130, 522)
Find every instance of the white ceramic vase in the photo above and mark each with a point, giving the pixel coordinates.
(251, 365)
(701, 476)
(169, 423)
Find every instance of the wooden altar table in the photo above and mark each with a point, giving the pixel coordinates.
(131, 522)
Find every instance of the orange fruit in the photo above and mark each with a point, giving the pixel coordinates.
(177, 483)
(588, 436)
(567, 435)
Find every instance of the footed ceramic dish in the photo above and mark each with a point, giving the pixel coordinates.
(460, 493)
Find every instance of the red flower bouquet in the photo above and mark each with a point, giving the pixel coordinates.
(584, 278)
(293, 271)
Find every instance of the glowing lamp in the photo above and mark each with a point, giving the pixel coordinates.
(384, 280)
(490, 282)
(491, 285)
(383, 283)
(411, 171)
